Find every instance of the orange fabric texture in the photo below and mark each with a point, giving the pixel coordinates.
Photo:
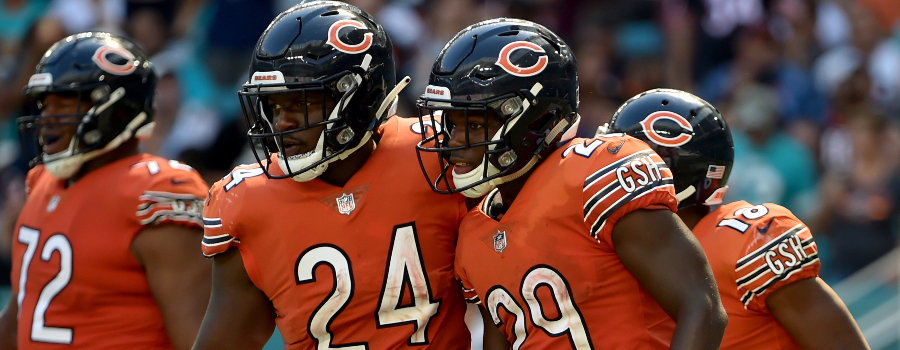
(548, 269)
(754, 250)
(349, 277)
(73, 270)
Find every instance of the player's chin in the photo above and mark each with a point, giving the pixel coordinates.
(297, 153)
(54, 148)
(290, 150)
(462, 168)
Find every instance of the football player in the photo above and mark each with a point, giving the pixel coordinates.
(326, 236)
(764, 259)
(105, 249)
(572, 245)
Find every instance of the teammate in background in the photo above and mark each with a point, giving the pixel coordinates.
(764, 259)
(572, 244)
(107, 240)
(326, 237)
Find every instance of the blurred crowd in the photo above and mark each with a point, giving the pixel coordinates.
(810, 88)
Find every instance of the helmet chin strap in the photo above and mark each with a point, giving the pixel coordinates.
(390, 101)
(484, 188)
(685, 194)
(473, 176)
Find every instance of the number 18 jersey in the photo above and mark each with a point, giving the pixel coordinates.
(754, 250)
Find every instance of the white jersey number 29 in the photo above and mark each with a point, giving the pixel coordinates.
(569, 322)
(404, 264)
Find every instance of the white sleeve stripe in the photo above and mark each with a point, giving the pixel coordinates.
(759, 251)
(172, 215)
(212, 221)
(144, 207)
(218, 243)
(600, 196)
(218, 240)
(753, 276)
(157, 195)
(148, 207)
(596, 180)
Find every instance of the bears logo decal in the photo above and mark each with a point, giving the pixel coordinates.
(682, 137)
(505, 59)
(335, 40)
(102, 58)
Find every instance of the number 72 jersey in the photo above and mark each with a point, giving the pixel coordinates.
(77, 283)
(754, 250)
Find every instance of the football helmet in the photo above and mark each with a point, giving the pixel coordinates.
(511, 69)
(689, 134)
(108, 71)
(331, 49)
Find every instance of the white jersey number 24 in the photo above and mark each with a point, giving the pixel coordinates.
(404, 264)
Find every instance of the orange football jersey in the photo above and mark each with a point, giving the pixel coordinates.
(369, 265)
(75, 279)
(547, 270)
(754, 250)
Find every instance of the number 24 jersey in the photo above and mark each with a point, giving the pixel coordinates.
(367, 265)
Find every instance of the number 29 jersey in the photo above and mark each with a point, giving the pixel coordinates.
(754, 250)
(367, 265)
(547, 270)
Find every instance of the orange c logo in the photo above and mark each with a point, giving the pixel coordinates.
(102, 60)
(667, 141)
(335, 40)
(505, 62)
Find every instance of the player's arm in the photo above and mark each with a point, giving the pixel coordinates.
(178, 275)
(493, 338)
(662, 253)
(815, 316)
(240, 316)
(8, 324)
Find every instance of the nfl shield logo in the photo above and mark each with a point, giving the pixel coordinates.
(500, 241)
(51, 206)
(346, 204)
